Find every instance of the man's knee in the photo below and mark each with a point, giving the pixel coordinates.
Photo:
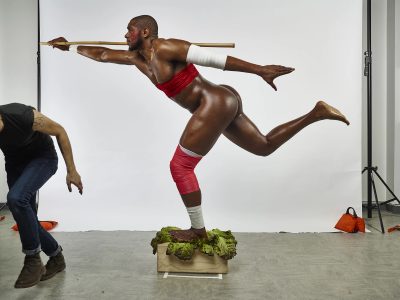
(182, 169)
(265, 148)
(17, 200)
(264, 151)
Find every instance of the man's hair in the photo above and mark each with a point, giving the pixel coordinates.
(146, 21)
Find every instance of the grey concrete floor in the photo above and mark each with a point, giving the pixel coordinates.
(120, 265)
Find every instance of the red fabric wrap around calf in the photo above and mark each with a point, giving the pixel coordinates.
(180, 80)
(182, 169)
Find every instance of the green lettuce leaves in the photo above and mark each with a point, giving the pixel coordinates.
(221, 243)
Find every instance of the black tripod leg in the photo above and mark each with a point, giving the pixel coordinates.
(369, 205)
(384, 183)
(377, 203)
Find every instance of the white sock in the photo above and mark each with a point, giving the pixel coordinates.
(196, 216)
(188, 152)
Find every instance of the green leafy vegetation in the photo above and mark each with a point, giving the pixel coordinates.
(221, 243)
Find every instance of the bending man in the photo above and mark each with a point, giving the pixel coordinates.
(216, 109)
(31, 160)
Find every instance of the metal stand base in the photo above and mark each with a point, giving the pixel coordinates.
(371, 171)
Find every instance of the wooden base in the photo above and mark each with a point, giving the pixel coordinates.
(200, 262)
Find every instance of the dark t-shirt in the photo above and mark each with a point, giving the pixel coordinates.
(18, 141)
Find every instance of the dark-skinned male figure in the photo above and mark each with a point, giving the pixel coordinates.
(216, 109)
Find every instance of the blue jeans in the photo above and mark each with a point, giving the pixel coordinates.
(24, 180)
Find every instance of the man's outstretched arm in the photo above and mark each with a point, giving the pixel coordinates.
(43, 124)
(100, 54)
(179, 50)
(268, 72)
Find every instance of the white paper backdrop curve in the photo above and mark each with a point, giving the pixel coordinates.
(124, 131)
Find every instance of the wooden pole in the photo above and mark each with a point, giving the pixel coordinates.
(220, 45)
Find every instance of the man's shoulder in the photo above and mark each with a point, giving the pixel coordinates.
(160, 43)
(16, 108)
(163, 42)
(171, 49)
(19, 114)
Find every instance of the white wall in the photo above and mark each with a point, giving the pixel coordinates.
(397, 100)
(391, 91)
(18, 44)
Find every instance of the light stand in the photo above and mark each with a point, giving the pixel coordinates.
(370, 169)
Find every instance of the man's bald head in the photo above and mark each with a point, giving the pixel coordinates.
(146, 21)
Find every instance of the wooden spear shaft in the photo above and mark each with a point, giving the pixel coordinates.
(220, 45)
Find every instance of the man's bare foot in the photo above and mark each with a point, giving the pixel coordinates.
(325, 111)
(188, 235)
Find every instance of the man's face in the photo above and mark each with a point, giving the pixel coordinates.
(133, 37)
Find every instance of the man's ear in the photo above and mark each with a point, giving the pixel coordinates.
(146, 32)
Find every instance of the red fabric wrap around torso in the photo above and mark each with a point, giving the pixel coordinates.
(180, 80)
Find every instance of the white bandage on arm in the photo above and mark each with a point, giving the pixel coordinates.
(73, 48)
(203, 57)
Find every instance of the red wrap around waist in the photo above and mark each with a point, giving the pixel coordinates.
(180, 80)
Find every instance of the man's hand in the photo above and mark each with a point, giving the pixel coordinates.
(61, 47)
(75, 179)
(269, 73)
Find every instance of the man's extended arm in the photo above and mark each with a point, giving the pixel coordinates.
(179, 50)
(268, 73)
(101, 54)
(43, 124)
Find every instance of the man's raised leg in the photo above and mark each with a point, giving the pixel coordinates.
(244, 133)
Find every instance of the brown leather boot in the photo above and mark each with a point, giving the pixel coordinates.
(31, 272)
(54, 265)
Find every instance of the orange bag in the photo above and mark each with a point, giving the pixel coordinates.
(47, 225)
(350, 222)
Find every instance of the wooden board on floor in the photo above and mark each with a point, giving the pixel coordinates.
(200, 263)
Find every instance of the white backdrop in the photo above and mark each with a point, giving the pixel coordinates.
(397, 102)
(18, 79)
(124, 131)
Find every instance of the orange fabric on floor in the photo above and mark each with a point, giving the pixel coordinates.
(397, 227)
(47, 225)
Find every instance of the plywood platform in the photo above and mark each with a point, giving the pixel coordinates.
(200, 263)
